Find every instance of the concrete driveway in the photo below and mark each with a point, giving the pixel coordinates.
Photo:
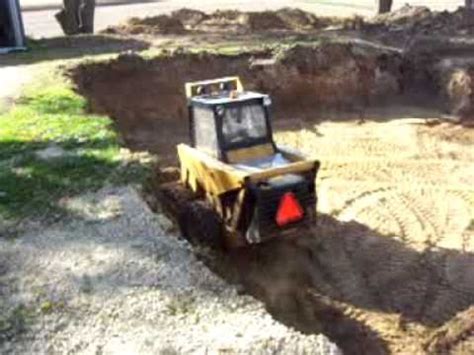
(40, 22)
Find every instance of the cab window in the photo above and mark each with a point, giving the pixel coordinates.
(244, 124)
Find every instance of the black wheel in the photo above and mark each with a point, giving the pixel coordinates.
(201, 224)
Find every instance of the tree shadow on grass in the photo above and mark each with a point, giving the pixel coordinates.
(58, 48)
(31, 185)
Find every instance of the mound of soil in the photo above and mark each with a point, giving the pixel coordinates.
(225, 21)
(149, 25)
(189, 17)
(419, 20)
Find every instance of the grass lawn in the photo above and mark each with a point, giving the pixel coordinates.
(87, 155)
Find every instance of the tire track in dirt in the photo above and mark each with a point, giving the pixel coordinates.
(424, 219)
(422, 196)
(366, 198)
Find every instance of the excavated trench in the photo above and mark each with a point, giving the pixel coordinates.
(146, 97)
(384, 267)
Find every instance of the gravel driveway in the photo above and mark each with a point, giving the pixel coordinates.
(114, 279)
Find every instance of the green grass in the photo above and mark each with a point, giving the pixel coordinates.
(54, 115)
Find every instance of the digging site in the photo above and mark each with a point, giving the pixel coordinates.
(386, 106)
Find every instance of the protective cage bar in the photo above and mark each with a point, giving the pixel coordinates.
(197, 88)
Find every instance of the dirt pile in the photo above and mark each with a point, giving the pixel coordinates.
(150, 25)
(225, 21)
(189, 18)
(415, 20)
(396, 26)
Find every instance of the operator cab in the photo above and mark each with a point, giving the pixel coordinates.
(232, 125)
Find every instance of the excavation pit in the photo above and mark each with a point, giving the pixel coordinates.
(393, 254)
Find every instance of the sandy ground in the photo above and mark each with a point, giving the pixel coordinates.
(395, 238)
(114, 279)
(392, 256)
(399, 177)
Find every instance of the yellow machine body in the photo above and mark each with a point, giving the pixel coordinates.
(237, 179)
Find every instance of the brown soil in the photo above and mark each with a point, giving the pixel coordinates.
(436, 47)
(455, 337)
(225, 21)
(392, 258)
(151, 25)
(411, 20)
(402, 26)
(302, 80)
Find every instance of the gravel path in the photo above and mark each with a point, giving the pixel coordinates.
(111, 280)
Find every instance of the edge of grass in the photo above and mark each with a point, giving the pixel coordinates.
(51, 148)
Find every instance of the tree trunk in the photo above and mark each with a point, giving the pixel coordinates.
(86, 16)
(384, 6)
(77, 16)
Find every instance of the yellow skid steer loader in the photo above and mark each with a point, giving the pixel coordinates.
(256, 190)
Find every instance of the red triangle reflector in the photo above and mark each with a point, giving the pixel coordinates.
(289, 210)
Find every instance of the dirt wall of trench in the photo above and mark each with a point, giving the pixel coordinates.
(147, 96)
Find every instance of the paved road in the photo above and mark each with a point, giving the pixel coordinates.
(41, 23)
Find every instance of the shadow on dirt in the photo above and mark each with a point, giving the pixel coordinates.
(318, 282)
